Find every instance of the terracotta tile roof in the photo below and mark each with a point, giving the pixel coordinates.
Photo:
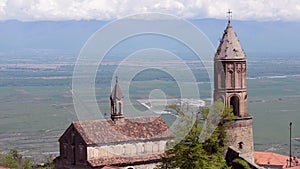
(229, 47)
(262, 158)
(3, 167)
(124, 161)
(132, 129)
(272, 159)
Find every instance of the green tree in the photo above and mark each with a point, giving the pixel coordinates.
(27, 164)
(2, 157)
(191, 152)
(14, 160)
(11, 160)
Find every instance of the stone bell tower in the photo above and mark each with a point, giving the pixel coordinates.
(116, 104)
(230, 87)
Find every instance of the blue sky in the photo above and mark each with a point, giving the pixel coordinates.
(31, 10)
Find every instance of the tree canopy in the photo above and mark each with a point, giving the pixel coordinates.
(191, 152)
(14, 160)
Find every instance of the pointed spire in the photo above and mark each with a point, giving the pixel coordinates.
(116, 100)
(116, 92)
(230, 47)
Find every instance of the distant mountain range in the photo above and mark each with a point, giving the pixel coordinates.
(258, 38)
(266, 38)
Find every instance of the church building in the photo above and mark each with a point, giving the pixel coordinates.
(137, 143)
(128, 143)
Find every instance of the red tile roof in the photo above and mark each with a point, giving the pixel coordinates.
(3, 167)
(121, 161)
(132, 129)
(272, 159)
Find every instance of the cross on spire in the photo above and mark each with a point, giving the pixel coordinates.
(229, 15)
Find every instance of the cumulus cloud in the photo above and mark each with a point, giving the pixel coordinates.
(113, 9)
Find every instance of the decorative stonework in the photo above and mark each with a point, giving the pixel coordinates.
(230, 68)
(244, 68)
(238, 68)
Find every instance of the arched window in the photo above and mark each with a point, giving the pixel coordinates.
(143, 148)
(64, 150)
(81, 152)
(123, 150)
(73, 155)
(235, 104)
(120, 108)
(241, 145)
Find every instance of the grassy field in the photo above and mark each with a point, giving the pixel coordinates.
(274, 102)
(34, 112)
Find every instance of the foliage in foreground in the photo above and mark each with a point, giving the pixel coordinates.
(240, 163)
(14, 160)
(190, 152)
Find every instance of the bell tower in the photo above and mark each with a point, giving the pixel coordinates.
(230, 87)
(116, 104)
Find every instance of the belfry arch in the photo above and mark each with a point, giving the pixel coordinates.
(120, 108)
(235, 105)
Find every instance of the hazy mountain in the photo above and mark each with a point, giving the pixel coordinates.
(257, 38)
(66, 35)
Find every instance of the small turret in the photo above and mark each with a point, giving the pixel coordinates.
(116, 101)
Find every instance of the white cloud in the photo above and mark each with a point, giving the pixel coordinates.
(112, 9)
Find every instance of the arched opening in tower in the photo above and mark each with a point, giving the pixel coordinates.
(120, 108)
(235, 104)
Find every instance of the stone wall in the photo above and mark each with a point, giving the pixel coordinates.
(240, 135)
(127, 149)
(72, 148)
